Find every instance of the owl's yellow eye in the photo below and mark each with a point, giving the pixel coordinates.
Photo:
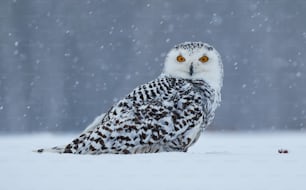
(204, 59)
(180, 58)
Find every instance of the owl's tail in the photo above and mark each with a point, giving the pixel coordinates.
(68, 148)
(56, 149)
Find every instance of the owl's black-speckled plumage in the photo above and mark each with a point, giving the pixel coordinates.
(163, 115)
(193, 45)
(166, 114)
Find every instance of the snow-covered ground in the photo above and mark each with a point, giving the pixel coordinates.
(217, 161)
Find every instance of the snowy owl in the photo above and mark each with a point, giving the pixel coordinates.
(164, 115)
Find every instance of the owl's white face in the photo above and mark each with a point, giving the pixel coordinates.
(195, 60)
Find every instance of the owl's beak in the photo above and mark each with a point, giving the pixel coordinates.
(191, 69)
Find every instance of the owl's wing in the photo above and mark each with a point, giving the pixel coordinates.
(155, 113)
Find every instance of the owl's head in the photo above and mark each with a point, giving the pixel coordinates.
(195, 60)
